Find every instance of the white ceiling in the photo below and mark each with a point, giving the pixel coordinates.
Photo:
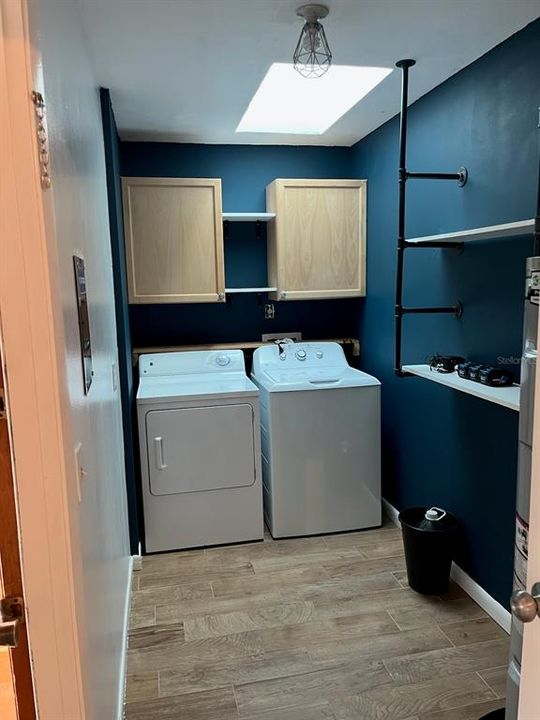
(185, 70)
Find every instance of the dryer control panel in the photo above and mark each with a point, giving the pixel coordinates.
(191, 362)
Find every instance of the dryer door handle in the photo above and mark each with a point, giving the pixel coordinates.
(158, 447)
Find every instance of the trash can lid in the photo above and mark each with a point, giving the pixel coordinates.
(428, 519)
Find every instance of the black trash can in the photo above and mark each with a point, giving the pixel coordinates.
(429, 539)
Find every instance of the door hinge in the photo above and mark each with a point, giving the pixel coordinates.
(12, 608)
(41, 134)
(2, 405)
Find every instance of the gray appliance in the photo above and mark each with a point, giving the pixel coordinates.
(526, 412)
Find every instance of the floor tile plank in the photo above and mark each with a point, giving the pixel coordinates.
(442, 613)
(470, 712)
(211, 705)
(176, 612)
(193, 677)
(171, 594)
(448, 661)
(321, 711)
(496, 678)
(309, 688)
(473, 631)
(395, 702)
(379, 647)
(142, 686)
(268, 582)
(255, 618)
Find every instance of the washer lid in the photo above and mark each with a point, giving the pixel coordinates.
(323, 379)
(306, 366)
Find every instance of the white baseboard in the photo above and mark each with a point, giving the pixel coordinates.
(137, 562)
(475, 591)
(123, 657)
(493, 608)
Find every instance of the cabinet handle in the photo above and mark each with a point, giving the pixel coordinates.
(158, 447)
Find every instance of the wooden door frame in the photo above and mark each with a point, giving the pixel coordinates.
(10, 569)
(33, 342)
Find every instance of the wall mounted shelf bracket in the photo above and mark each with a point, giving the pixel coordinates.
(403, 176)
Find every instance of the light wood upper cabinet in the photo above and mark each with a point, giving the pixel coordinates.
(317, 243)
(174, 240)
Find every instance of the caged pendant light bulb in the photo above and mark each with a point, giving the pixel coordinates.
(312, 56)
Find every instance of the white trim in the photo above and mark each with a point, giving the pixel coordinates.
(250, 290)
(248, 216)
(136, 562)
(475, 591)
(123, 657)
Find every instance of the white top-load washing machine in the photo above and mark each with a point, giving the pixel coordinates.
(200, 450)
(321, 454)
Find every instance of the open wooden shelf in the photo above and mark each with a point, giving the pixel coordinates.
(250, 290)
(248, 216)
(492, 232)
(506, 396)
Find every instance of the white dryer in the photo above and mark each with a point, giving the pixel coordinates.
(199, 439)
(321, 452)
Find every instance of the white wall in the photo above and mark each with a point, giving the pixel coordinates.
(99, 528)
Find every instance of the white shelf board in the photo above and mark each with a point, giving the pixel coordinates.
(248, 216)
(506, 396)
(492, 232)
(250, 290)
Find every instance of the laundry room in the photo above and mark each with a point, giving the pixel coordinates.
(324, 234)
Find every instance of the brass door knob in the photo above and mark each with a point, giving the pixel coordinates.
(526, 605)
(9, 633)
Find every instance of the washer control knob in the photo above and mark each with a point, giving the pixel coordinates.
(300, 354)
(223, 360)
(319, 354)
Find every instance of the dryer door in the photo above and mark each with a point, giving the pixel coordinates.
(203, 448)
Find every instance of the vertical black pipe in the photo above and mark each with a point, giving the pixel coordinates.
(537, 218)
(402, 180)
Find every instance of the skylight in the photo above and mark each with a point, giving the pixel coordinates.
(286, 102)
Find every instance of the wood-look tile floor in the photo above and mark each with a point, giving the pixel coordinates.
(321, 628)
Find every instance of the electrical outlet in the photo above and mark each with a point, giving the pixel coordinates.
(269, 311)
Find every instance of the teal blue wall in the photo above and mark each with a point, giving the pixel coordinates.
(125, 369)
(245, 171)
(440, 446)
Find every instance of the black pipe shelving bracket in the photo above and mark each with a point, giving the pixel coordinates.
(404, 176)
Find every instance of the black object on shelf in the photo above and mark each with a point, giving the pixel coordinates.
(495, 377)
(445, 363)
(463, 370)
(429, 539)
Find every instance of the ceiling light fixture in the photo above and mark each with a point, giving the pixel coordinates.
(312, 57)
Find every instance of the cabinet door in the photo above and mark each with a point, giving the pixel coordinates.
(317, 243)
(174, 240)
